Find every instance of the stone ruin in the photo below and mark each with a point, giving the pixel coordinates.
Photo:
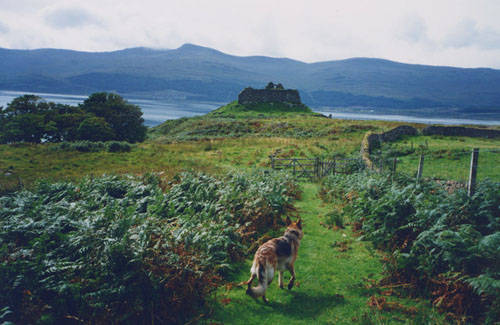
(271, 94)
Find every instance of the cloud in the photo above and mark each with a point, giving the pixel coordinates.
(425, 31)
(3, 28)
(468, 34)
(412, 29)
(70, 18)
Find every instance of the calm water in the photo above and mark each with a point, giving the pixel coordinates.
(404, 118)
(156, 112)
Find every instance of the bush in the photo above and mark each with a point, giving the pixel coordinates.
(91, 146)
(450, 242)
(120, 250)
(115, 146)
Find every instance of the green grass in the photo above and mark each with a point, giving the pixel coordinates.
(332, 286)
(447, 157)
(332, 283)
(175, 151)
(235, 110)
(290, 125)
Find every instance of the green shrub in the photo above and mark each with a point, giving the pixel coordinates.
(93, 146)
(431, 235)
(121, 250)
(116, 146)
(334, 218)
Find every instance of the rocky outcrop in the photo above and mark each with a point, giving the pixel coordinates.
(460, 131)
(272, 94)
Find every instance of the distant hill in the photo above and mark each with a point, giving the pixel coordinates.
(198, 73)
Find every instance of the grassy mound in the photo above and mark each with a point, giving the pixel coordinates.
(234, 120)
(234, 110)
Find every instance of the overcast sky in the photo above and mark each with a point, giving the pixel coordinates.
(464, 33)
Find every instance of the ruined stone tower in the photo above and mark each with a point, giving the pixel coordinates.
(271, 94)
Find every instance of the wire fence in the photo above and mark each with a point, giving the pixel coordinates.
(450, 168)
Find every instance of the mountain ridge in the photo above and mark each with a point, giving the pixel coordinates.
(193, 72)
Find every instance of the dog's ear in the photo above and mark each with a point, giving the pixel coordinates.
(299, 223)
(288, 221)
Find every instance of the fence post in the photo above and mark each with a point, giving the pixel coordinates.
(381, 165)
(272, 161)
(317, 167)
(420, 167)
(294, 160)
(473, 171)
(394, 165)
(334, 166)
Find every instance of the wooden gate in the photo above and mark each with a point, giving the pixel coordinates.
(313, 167)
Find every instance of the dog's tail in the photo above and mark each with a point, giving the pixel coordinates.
(260, 289)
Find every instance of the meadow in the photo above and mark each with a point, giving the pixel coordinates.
(206, 144)
(446, 158)
(199, 191)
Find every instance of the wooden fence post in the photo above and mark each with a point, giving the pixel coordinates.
(473, 171)
(394, 165)
(420, 167)
(334, 166)
(294, 160)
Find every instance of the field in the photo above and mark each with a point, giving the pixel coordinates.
(205, 144)
(199, 191)
(446, 158)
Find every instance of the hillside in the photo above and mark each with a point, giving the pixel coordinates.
(241, 120)
(198, 73)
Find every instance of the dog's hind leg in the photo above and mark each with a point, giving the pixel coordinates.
(249, 282)
(292, 272)
(280, 279)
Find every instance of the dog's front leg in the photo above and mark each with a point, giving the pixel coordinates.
(292, 272)
(280, 279)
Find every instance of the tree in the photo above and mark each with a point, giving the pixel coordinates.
(95, 129)
(102, 117)
(23, 120)
(23, 128)
(124, 119)
(66, 120)
(26, 104)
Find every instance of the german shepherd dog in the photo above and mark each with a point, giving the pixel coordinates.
(275, 254)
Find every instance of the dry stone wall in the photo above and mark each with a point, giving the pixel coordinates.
(460, 131)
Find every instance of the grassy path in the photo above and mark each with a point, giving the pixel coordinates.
(331, 282)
